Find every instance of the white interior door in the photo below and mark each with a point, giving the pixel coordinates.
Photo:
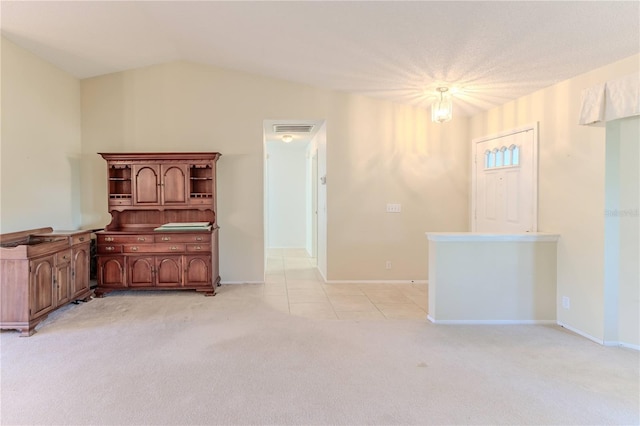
(504, 195)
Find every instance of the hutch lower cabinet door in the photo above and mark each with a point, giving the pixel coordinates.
(197, 270)
(168, 271)
(140, 271)
(111, 272)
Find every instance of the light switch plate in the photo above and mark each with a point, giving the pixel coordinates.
(394, 208)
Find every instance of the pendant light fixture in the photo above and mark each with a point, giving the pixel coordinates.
(442, 109)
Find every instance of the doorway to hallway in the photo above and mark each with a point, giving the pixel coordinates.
(294, 193)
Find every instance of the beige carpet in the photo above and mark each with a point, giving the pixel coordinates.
(185, 359)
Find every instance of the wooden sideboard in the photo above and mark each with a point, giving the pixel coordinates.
(145, 191)
(40, 271)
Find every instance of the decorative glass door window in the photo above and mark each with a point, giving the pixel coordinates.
(502, 157)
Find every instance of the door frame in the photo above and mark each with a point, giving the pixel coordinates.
(474, 168)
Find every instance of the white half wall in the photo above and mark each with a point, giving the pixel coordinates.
(492, 278)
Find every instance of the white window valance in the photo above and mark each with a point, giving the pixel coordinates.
(612, 100)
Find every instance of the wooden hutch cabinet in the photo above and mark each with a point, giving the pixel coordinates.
(146, 191)
(40, 271)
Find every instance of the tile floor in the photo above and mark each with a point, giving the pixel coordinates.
(293, 285)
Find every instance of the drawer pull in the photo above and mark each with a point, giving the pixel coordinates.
(65, 257)
(134, 248)
(174, 248)
(108, 239)
(110, 248)
(166, 238)
(141, 239)
(198, 238)
(198, 248)
(81, 238)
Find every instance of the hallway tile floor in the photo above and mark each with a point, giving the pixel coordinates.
(294, 286)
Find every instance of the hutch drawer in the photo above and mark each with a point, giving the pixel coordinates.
(124, 239)
(183, 238)
(199, 248)
(109, 249)
(154, 248)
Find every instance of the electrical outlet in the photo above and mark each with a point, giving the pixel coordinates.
(388, 265)
(393, 208)
(566, 302)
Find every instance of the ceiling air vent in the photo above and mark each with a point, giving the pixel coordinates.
(292, 128)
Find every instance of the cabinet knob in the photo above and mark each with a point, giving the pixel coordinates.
(198, 248)
(109, 239)
(166, 238)
(110, 248)
(198, 238)
(134, 248)
(141, 239)
(81, 238)
(174, 248)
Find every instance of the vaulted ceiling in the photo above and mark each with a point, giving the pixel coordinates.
(488, 52)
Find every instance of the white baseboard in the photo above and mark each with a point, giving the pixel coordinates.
(609, 343)
(581, 333)
(376, 281)
(241, 282)
(629, 346)
(614, 343)
(491, 322)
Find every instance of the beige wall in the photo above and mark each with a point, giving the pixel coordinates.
(377, 152)
(40, 144)
(571, 186)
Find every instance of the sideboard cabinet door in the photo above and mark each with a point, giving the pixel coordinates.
(80, 269)
(41, 286)
(63, 277)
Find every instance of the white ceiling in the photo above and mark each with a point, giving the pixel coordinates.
(492, 52)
